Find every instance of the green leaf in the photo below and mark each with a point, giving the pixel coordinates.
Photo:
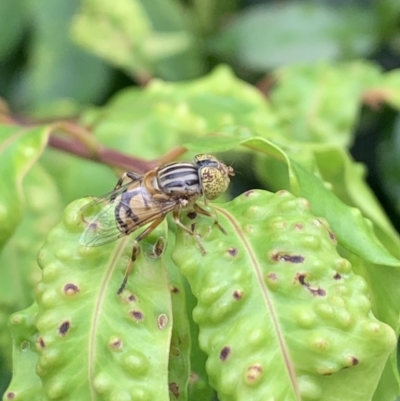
(76, 178)
(180, 347)
(143, 38)
(19, 150)
(74, 74)
(272, 35)
(385, 300)
(25, 384)
(347, 180)
(12, 21)
(165, 115)
(20, 273)
(389, 165)
(352, 230)
(320, 103)
(280, 312)
(123, 340)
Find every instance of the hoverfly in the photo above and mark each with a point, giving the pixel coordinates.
(139, 200)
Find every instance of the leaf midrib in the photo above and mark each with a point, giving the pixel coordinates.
(268, 302)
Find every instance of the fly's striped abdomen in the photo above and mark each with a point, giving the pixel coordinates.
(127, 220)
(179, 179)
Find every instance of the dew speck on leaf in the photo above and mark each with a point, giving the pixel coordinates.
(63, 328)
(224, 354)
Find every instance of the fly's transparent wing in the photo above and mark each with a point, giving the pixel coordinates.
(102, 227)
(99, 215)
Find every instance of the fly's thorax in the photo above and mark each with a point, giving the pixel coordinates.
(213, 175)
(179, 179)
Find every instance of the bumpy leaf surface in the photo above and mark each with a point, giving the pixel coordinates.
(179, 355)
(19, 149)
(282, 316)
(94, 344)
(25, 385)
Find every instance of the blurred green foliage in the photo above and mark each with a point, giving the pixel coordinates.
(305, 87)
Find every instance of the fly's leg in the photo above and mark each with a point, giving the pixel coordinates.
(135, 253)
(123, 180)
(136, 250)
(200, 210)
(175, 215)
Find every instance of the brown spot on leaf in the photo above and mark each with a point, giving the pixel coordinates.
(132, 298)
(354, 361)
(332, 236)
(193, 227)
(64, 328)
(248, 193)
(254, 373)
(10, 395)
(70, 289)
(233, 251)
(174, 350)
(337, 276)
(162, 321)
(193, 377)
(174, 389)
(41, 343)
(272, 277)
(281, 256)
(318, 291)
(192, 215)
(137, 314)
(116, 343)
(175, 290)
(327, 373)
(301, 277)
(238, 294)
(224, 354)
(299, 226)
(159, 247)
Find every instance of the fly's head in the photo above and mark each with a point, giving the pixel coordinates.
(213, 175)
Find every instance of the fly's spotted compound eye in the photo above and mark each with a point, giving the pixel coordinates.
(204, 160)
(213, 175)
